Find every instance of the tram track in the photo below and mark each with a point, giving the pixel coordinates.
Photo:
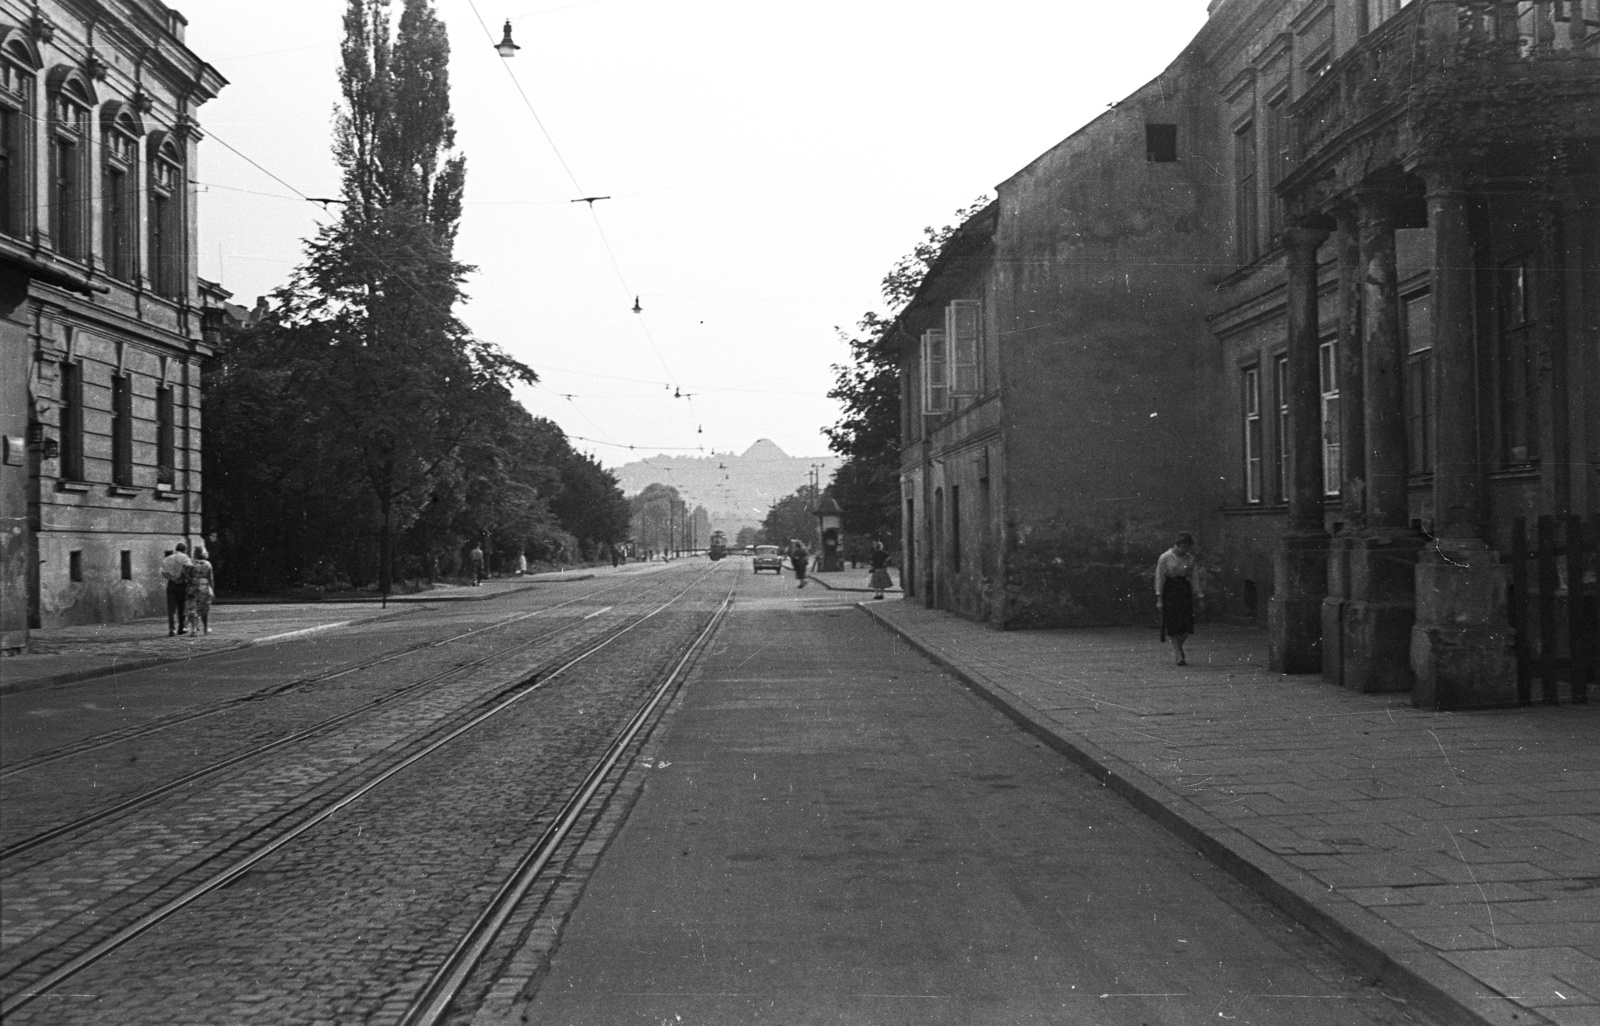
(145, 798)
(305, 820)
(110, 738)
(435, 1000)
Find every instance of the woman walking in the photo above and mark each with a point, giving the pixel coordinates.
(202, 589)
(1177, 591)
(880, 578)
(798, 558)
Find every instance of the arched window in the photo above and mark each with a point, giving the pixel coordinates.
(70, 101)
(166, 218)
(119, 172)
(17, 76)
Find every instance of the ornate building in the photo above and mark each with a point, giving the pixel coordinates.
(1326, 292)
(101, 310)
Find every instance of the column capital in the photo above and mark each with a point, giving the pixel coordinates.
(1444, 178)
(1302, 239)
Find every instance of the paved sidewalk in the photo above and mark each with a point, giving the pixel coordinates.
(850, 580)
(64, 655)
(1456, 855)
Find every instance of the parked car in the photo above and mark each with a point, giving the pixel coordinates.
(767, 557)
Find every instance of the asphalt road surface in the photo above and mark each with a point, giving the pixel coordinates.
(836, 832)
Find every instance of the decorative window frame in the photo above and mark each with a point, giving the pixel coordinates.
(166, 215)
(19, 81)
(121, 132)
(71, 103)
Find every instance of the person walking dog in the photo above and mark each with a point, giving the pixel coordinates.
(1177, 592)
(880, 578)
(175, 570)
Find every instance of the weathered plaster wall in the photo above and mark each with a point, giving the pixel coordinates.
(1105, 270)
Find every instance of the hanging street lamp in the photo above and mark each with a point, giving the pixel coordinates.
(507, 48)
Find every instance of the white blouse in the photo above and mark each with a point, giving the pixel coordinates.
(1173, 565)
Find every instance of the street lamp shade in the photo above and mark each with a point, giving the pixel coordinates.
(507, 48)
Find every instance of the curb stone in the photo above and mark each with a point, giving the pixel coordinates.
(1390, 959)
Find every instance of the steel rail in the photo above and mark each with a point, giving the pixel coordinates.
(127, 933)
(146, 797)
(433, 1002)
(94, 744)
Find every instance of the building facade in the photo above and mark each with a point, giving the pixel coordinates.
(101, 311)
(1325, 293)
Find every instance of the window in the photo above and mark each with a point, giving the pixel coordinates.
(1519, 354)
(1281, 378)
(166, 221)
(1332, 448)
(75, 565)
(1278, 140)
(117, 197)
(1252, 434)
(122, 430)
(1161, 143)
(127, 565)
(16, 116)
(1373, 13)
(69, 200)
(72, 421)
(1246, 201)
(1418, 326)
(935, 373)
(166, 435)
(963, 326)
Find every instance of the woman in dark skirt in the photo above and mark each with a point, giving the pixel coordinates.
(880, 578)
(1177, 592)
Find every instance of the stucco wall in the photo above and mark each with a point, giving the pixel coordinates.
(1106, 266)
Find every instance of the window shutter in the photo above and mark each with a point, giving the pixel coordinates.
(935, 373)
(962, 325)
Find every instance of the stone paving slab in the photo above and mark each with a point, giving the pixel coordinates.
(1454, 854)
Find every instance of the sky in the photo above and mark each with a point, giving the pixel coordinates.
(765, 166)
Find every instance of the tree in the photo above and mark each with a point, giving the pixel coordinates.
(658, 515)
(790, 518)
(867, 434)
(590, 505)
(391, 374)
(361, 418)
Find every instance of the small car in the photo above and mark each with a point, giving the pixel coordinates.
(767, 557)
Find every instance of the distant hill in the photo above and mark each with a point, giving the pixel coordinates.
(736, 489)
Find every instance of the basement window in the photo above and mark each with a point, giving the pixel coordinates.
(1161, 144)
(75, 565)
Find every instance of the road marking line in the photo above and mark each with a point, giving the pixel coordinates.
(303, 630)
(597, 612)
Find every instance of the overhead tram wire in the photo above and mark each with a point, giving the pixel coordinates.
(584, 197)
(325, 201)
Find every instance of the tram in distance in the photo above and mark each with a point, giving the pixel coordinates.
(719, 545)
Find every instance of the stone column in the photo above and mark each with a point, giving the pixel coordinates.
(1300, 565)
(1352, 444)
(1378, 617)
(1461, 644)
